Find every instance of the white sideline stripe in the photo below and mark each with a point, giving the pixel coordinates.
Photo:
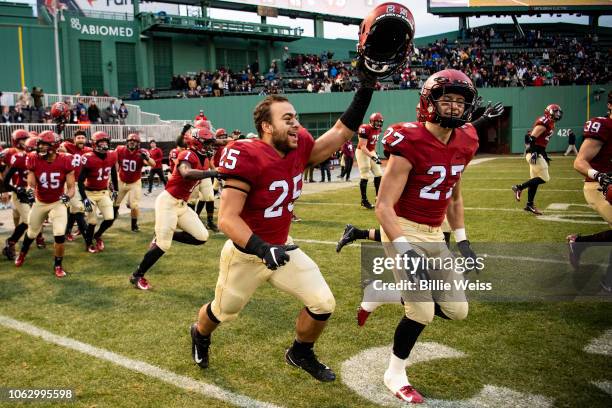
(514, 178)
(186, 383)
(478, 161)
(605, 386)
(544, 190)
(601, 345)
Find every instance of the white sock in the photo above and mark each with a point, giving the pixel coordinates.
(370, 306)
(395, 377)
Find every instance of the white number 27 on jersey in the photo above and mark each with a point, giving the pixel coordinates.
(428, 192)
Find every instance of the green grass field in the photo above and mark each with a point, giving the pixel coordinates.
(530, 348)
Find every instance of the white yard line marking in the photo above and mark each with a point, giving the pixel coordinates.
(601, 345)
(186, 383)
(478, 161)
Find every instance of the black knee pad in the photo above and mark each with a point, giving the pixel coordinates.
(59, 239)
(210, 314)
(318, 317)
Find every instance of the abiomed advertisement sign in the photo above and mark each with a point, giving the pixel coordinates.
(114, 6)
(99, 29)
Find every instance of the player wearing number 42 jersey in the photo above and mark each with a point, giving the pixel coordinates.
(171, 209)
(48, 171)
(263, 179)
(98, 168)
(130, 160)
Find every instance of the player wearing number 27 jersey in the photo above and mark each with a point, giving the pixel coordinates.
(263, 181)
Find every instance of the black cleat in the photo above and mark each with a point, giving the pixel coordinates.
(348, 236)
(517, 192)
(367, 204)
(311, 365)
(199, 347)
(212, 226)
(135, 229)
(9, 250)
(532, 209)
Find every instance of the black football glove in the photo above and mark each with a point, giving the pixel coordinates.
(468, 253)
(366, 78)
(420, 272)
(275, 256)
(493, 111)
(534, 157)
(376, 159)
(22, 195)
(144, 156)
(65, 199)
(87, 204)
(604, 180)
(113, 195)
(31, 197)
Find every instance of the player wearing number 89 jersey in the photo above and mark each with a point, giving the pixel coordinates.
(171, 209)
(98, 169)
(130, 160)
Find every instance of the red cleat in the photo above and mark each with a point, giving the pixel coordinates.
(92, 249)
(69, 237)
(409, 394)
(140, 283)
(60, 272)
(517, 192)
(40, 242)
(20, 259)
(153, 243)
(362, 316)
(99, 244)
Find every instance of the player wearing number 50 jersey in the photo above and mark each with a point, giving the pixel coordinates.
(171, 209)
(98, 168)
(48, 171)
(263, 179)
(130, 160)
(420, 185)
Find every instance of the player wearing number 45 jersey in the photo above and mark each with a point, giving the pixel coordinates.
(171, 209)
(47, 173)
(98, 168)
(263, 179)
(420, 185)
(130, 160)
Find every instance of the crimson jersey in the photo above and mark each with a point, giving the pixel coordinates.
(436, 168)
(368, 132)
(600, 128)
(130, 164)
(18, 162)
(50, 177)
(10, 152)
(179, 187)
(77, 156)
(158, 155)
(276, 183)
(217, 156)
(172, 157)
(544, 138)
(98, 170)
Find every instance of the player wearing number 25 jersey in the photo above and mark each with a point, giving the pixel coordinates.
(171, 209)
(263, 180)
(422, 182)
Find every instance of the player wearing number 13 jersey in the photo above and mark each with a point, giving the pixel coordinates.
(422, 182)
(263, 180)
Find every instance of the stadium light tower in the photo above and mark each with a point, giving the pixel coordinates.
(54, 6)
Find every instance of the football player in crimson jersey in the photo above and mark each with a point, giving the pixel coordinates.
(157, 155)
(420, 186)
(130, 160)
(204, 195)
(18, 139)
(48, 171)
(76, 212)
(263, 179)
(536, 156)
(367, 159)
(171, 209)
(97, 170)
(594, 162)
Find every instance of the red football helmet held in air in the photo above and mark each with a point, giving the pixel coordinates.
(18, 135)
(385, 39)
(442, 83)
(60, 111)
(554, 112)
(376, 120)
(98, 139)
(49, 138)
(198, 140)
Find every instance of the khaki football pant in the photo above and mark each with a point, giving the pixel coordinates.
(171, 213)
(240, 274)
(58, 216)
(419, 304)
(540, 169)
(597, 201)
(101, 201)
(366, 165)
(206, 191)
(22, 209)
(133, 191)
(446, 226)
(76, 205)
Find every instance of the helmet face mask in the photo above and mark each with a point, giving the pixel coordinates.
(101, 142)
(47, 143)
(19, 137)
(385, 39)
(133, 141)
(554, 112)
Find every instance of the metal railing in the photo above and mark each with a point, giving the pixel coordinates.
(118, 133)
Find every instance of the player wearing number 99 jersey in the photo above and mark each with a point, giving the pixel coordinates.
(422, 182)
(171, 209)
(263, 180)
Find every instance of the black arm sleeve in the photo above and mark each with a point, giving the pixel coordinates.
(81, 183)
(480, 122)
(353, 115)
(114, 180)
(7, 179)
